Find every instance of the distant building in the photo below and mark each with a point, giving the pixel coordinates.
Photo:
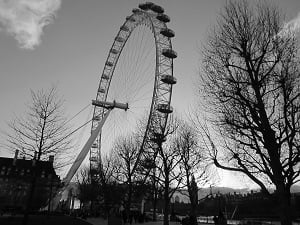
(16, 176)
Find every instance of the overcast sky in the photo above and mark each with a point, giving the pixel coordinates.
(66, 43)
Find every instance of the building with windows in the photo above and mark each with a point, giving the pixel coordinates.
(17, 178)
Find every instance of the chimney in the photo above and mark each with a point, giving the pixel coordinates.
(51, 158)
(16, 157)
(34, 159)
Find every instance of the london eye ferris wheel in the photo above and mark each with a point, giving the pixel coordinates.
(137, 75)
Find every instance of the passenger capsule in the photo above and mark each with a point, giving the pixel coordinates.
(170, 53)
(96, 118)
(105, 76)
(157, 8)
(124, 28)
(108, 63)
(158, 137)
(101, 90)
(94, 145)
(130, 18)
(168, 79)
(148, 163)
(120, 39)
(146, 5)
(164, 108)
(114, 51)
(136, 10)
(163, 17)
(167, 32)
(93, 159)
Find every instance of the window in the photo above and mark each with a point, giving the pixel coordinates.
(8, 171)
(3, 170)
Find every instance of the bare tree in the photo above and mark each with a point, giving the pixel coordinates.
(193, 163)
(43, 129)
(40, 133)
(251, 83)
(155, 190)
(167, 162)
(126, 150)
(170, 175)
(108, 169)
(87, 191)
(111, 193)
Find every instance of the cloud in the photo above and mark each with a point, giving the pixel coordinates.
(25, 19)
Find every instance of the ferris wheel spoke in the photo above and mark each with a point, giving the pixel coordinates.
(137, 92)
(137, 89)
(134, 81)
(141, 99)
(137, 76)
(141, 58)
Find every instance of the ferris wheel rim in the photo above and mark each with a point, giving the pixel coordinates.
(164, 79)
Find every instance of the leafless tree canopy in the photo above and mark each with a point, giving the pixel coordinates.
(192, 155)
(126, 150)
(193, 163)
(167, 161)
(109, 169)
(87, 191)
(43, 127)
(251, 81)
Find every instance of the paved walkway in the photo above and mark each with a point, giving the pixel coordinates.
(100, 221)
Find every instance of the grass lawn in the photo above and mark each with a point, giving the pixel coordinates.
(43, 220)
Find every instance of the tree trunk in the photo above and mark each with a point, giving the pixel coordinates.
(128, 205)
(193, 212)
(154, 203)
(285, 209)
(193, 216)
(283, 191)
(167, 202)
(29, 199)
